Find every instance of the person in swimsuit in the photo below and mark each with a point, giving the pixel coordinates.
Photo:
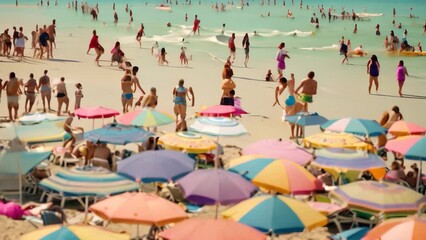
(45, 90)
(127, 92)
(309, 88)
(180, 93)
(196, 26)
(140, 34)
(162, 58)
(117, 55)
(401, 72)
(7, 42)
(52, 34)
(78, 95)
(232, 49)
(94, 43)
(373, 69)
(281, 55)
(182, 57)
(43, 42)
(227, 86)
(150, 100)
(344, 52)
(13, 91)
(61, 95)
(135, 79)
(115, 18)
(29, 90)
(246, 46)
(70, 130)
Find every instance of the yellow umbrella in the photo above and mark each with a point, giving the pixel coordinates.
(336, 140)
(187, 141)
(82, 232)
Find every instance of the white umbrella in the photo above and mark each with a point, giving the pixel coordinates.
(217, 126)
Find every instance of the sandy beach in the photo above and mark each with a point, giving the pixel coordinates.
(342, 88)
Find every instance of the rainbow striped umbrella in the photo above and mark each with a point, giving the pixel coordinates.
(400, 228)
(276, 214)
(412, 147)
(357, 126)
(147, 117)
(384, 197)
(403, 128)
(73, 232)
(282, 176)
(336, 140)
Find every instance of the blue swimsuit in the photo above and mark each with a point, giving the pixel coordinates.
(178, 99)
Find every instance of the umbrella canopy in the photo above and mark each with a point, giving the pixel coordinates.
(147, 117)
(221, 111)
(46, 131)
(279, 149)
(375, 196)
(27, 161)
(403, 128)
(276, 175)
(138, 208)
(95, 112)
(351, 234)
(363, 127)
(306, 119)
(117, 134)
(400, 228)
(188, 142)
(276, 214)
(215, 186)
(336, 140)
(218, 127)
(412, 147)
(156, 166)
(73, 232)
(33, 118)
(211, 229)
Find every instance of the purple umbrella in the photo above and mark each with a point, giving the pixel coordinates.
(156, 166)
(215, 186)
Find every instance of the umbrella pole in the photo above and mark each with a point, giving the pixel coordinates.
(86, 207)
(93, 124)
(418, 176)
(217, 209)
(137, 231)
(19, 168)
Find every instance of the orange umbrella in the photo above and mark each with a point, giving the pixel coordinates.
(400, 228)
(403, 128)
(211, 229)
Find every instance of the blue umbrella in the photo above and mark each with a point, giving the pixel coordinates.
(117, 134)
(27, 160)
(306, 119)
(351, 234)
(156, 166)
(357, 126)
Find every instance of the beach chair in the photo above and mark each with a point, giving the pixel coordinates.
(50, 218)
(176, 196)
(365, 217)
(67, 158)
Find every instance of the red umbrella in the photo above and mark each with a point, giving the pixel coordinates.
(95, 112)
(221, 111)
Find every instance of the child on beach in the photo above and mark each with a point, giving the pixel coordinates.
(401, 72)
(183, 58)
(162, 58)
(78, 95)
(268, 76)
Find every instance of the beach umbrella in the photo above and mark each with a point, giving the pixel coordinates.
(156, 166)
(350, 162)
(218, 126)
(357, 126)
(211, 229)
(381, 197)
(221, 111)
(147, 117)
(399, 228)
(117, 134)
(277, 175)
(188, 142)
(351, 234)
(95, 113)
(46, 131)
(336, 140)
(276, 214)
(215, 186)
(138, 208)
(403, 128)
(34, 118)
(73, 232)
(306, 119)
(282, 149)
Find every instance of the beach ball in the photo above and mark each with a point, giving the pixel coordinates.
(290, 101)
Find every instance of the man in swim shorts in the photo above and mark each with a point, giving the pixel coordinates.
(13, 91)
(61, 95)
(309, 88)
(29, 90)
(51, 31)
(45, 90)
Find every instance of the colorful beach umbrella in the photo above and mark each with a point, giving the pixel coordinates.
(9, 164)
(275, 214)
(156, 166)
(147, 117)
(412, 147)
(282, 149)
(401, 228)
(73, 232)
(117, 134)
(404, 128)
(215, 186)
(188, 142)
(95, 112)
(218, 126)
(211, 229)
(383, 197)
(357, 126)
(351, 234)
(282, 176)
(46, 131)
(221, 111)
(306, 119)
(336, 140)
(38, 117)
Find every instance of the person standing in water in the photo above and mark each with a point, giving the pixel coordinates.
(373, 69)
(232, 48)
(196, 27)
(401, 72)
(246, 46)
(115, 18)
(140, 34)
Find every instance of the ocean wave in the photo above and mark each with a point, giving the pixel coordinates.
(219, 39)
(369, 14)
(332, 47)
(298, 33)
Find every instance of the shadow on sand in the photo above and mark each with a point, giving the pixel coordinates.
(63, 60)
(403, 96)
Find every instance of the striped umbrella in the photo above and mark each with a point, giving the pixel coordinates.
(363, 127)
(275, 214)
(73, 232)
(403, 128)
(188, 142)
(336, 140)
(117, 134)
(276, 175)
(218, 126)
(147, 117)
(400, 228)
(306, 119)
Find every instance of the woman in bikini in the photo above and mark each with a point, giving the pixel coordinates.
(127, 95)
(180, 94)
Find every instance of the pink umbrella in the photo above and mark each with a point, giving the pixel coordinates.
(279, 149)
(221, 111)
(403, 128)
(95, 112)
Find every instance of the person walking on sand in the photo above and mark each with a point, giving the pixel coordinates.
(162, 57)
(135, 79)
(29, 90)
(43, 43)
(232, 48)
(309, 89)
(180, 93)
(127, 92)
(78, 95)
(52, 34)
(115, 18)
(139, 35)
(196, 27)
(13, 91)
(94, 43)
(246, 46)
(45, 90)
(401, 72)
(281, 56)
(150, 100)
(373, 69)
(61, 95)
